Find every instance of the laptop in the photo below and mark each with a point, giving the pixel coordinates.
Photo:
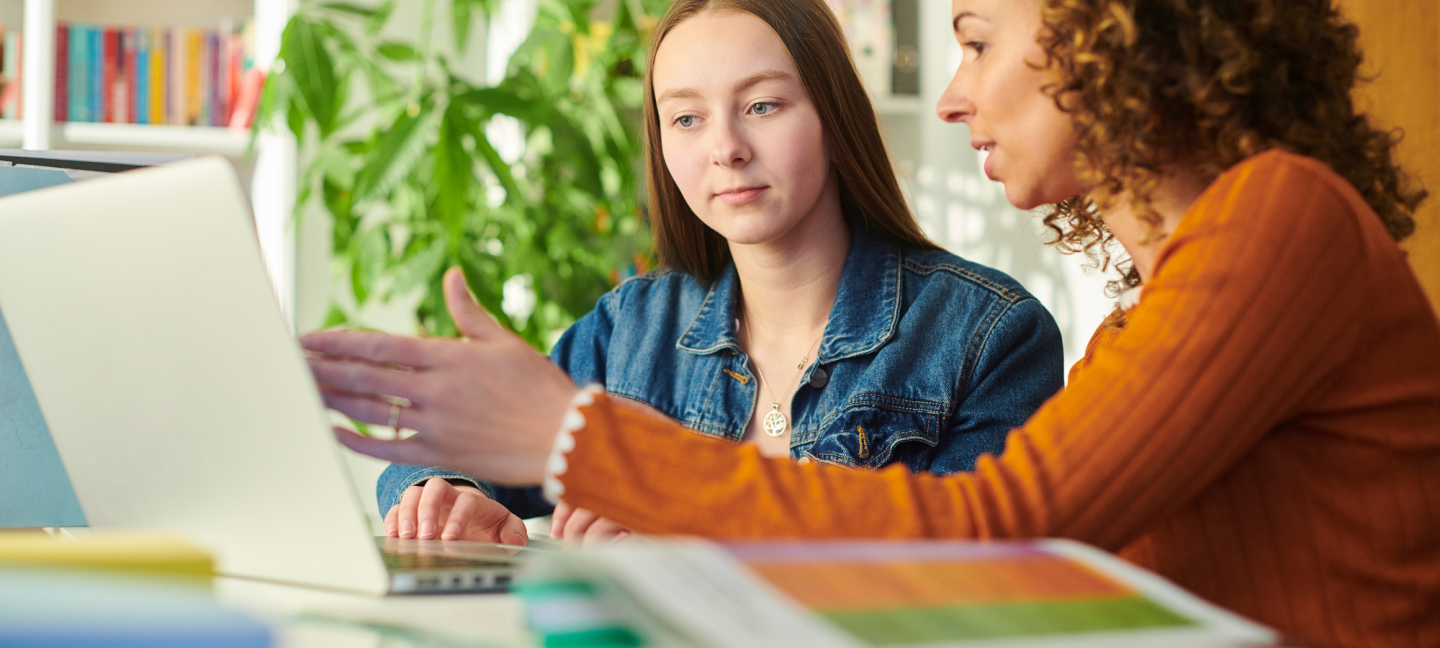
(175, 393)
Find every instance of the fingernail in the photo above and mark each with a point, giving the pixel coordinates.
(451, 532)
(407, 530)
(516, 539)
(427, 529)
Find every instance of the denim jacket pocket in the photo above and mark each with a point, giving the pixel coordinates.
(874, 437)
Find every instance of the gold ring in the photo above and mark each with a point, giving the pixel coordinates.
(395, 416)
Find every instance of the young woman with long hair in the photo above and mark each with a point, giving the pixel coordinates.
(796, 306)
(1261, 427)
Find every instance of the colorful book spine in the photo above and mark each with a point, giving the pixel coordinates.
(79, 82)
(62, 72)
(10, 98)
(159, 71)
(233, 63)
(141, 80)
(19, 75)
(130, 46)
(248, 100)
(142, 75)
(110, 66)
(120, 85)
(212, 79)
(180, 77)
(204, 79)
(225, 74)
(96, 73)
(187, 74)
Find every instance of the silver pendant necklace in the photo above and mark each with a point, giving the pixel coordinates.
(774, 422)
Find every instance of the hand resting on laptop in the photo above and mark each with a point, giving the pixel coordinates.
(445, 511)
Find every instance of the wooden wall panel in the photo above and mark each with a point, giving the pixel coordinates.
(1401, 39)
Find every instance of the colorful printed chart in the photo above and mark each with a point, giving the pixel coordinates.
(950, 592)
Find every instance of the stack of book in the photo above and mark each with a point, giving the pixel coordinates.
(115, 590)
(155, 75)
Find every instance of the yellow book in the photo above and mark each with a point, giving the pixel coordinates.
(136, 553)
(159, 69)
(194, 46)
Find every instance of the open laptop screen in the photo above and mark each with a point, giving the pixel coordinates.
(32, 477)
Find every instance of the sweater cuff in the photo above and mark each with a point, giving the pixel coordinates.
(565, 442)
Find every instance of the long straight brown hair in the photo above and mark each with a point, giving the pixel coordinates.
(869, 193)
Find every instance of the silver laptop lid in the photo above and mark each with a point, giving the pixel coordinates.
(175, 393)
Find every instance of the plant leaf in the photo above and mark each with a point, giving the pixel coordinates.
(399, 148)
(398, 52)
(345, 7)
(460, 17)
(505, 100)
(485, 281)
(423, 266)
(295, 119)
(309, 65)
(402, 181)
(380, 17)
(454, 175)
(335, 317)
(497, 166)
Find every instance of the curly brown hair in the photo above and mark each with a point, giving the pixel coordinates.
(1204, 84)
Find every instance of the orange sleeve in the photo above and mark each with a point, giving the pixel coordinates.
(1104, 334)
(1254, 306)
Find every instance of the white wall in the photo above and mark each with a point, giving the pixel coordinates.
(169, 13)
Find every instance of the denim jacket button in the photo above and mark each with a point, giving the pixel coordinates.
(819, 379)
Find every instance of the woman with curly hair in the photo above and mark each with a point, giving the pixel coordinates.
(1262, 426)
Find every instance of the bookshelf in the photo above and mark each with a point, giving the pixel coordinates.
(269, 169)
(884, 38)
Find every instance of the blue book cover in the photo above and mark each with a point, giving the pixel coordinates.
(142, 75)
(68, 608)
(97, 73)
(36, 489)
(88, 90)
(79, 85)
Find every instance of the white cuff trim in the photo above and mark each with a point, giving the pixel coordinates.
(1131, 298)
(565, 442)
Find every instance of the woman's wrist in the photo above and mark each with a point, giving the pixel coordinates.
(572, 422)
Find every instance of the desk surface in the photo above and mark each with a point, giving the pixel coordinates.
(308, 618)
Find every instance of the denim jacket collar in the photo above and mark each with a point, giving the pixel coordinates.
(864, 317)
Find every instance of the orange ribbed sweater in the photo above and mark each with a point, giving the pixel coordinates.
(1264, 431)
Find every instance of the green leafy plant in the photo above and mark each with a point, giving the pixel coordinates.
(399, 153)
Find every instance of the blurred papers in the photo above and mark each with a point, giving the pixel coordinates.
(77, 609)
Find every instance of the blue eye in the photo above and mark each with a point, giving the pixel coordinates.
(685, 121)
(764, 108)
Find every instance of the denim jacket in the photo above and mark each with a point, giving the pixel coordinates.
(928, 360)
